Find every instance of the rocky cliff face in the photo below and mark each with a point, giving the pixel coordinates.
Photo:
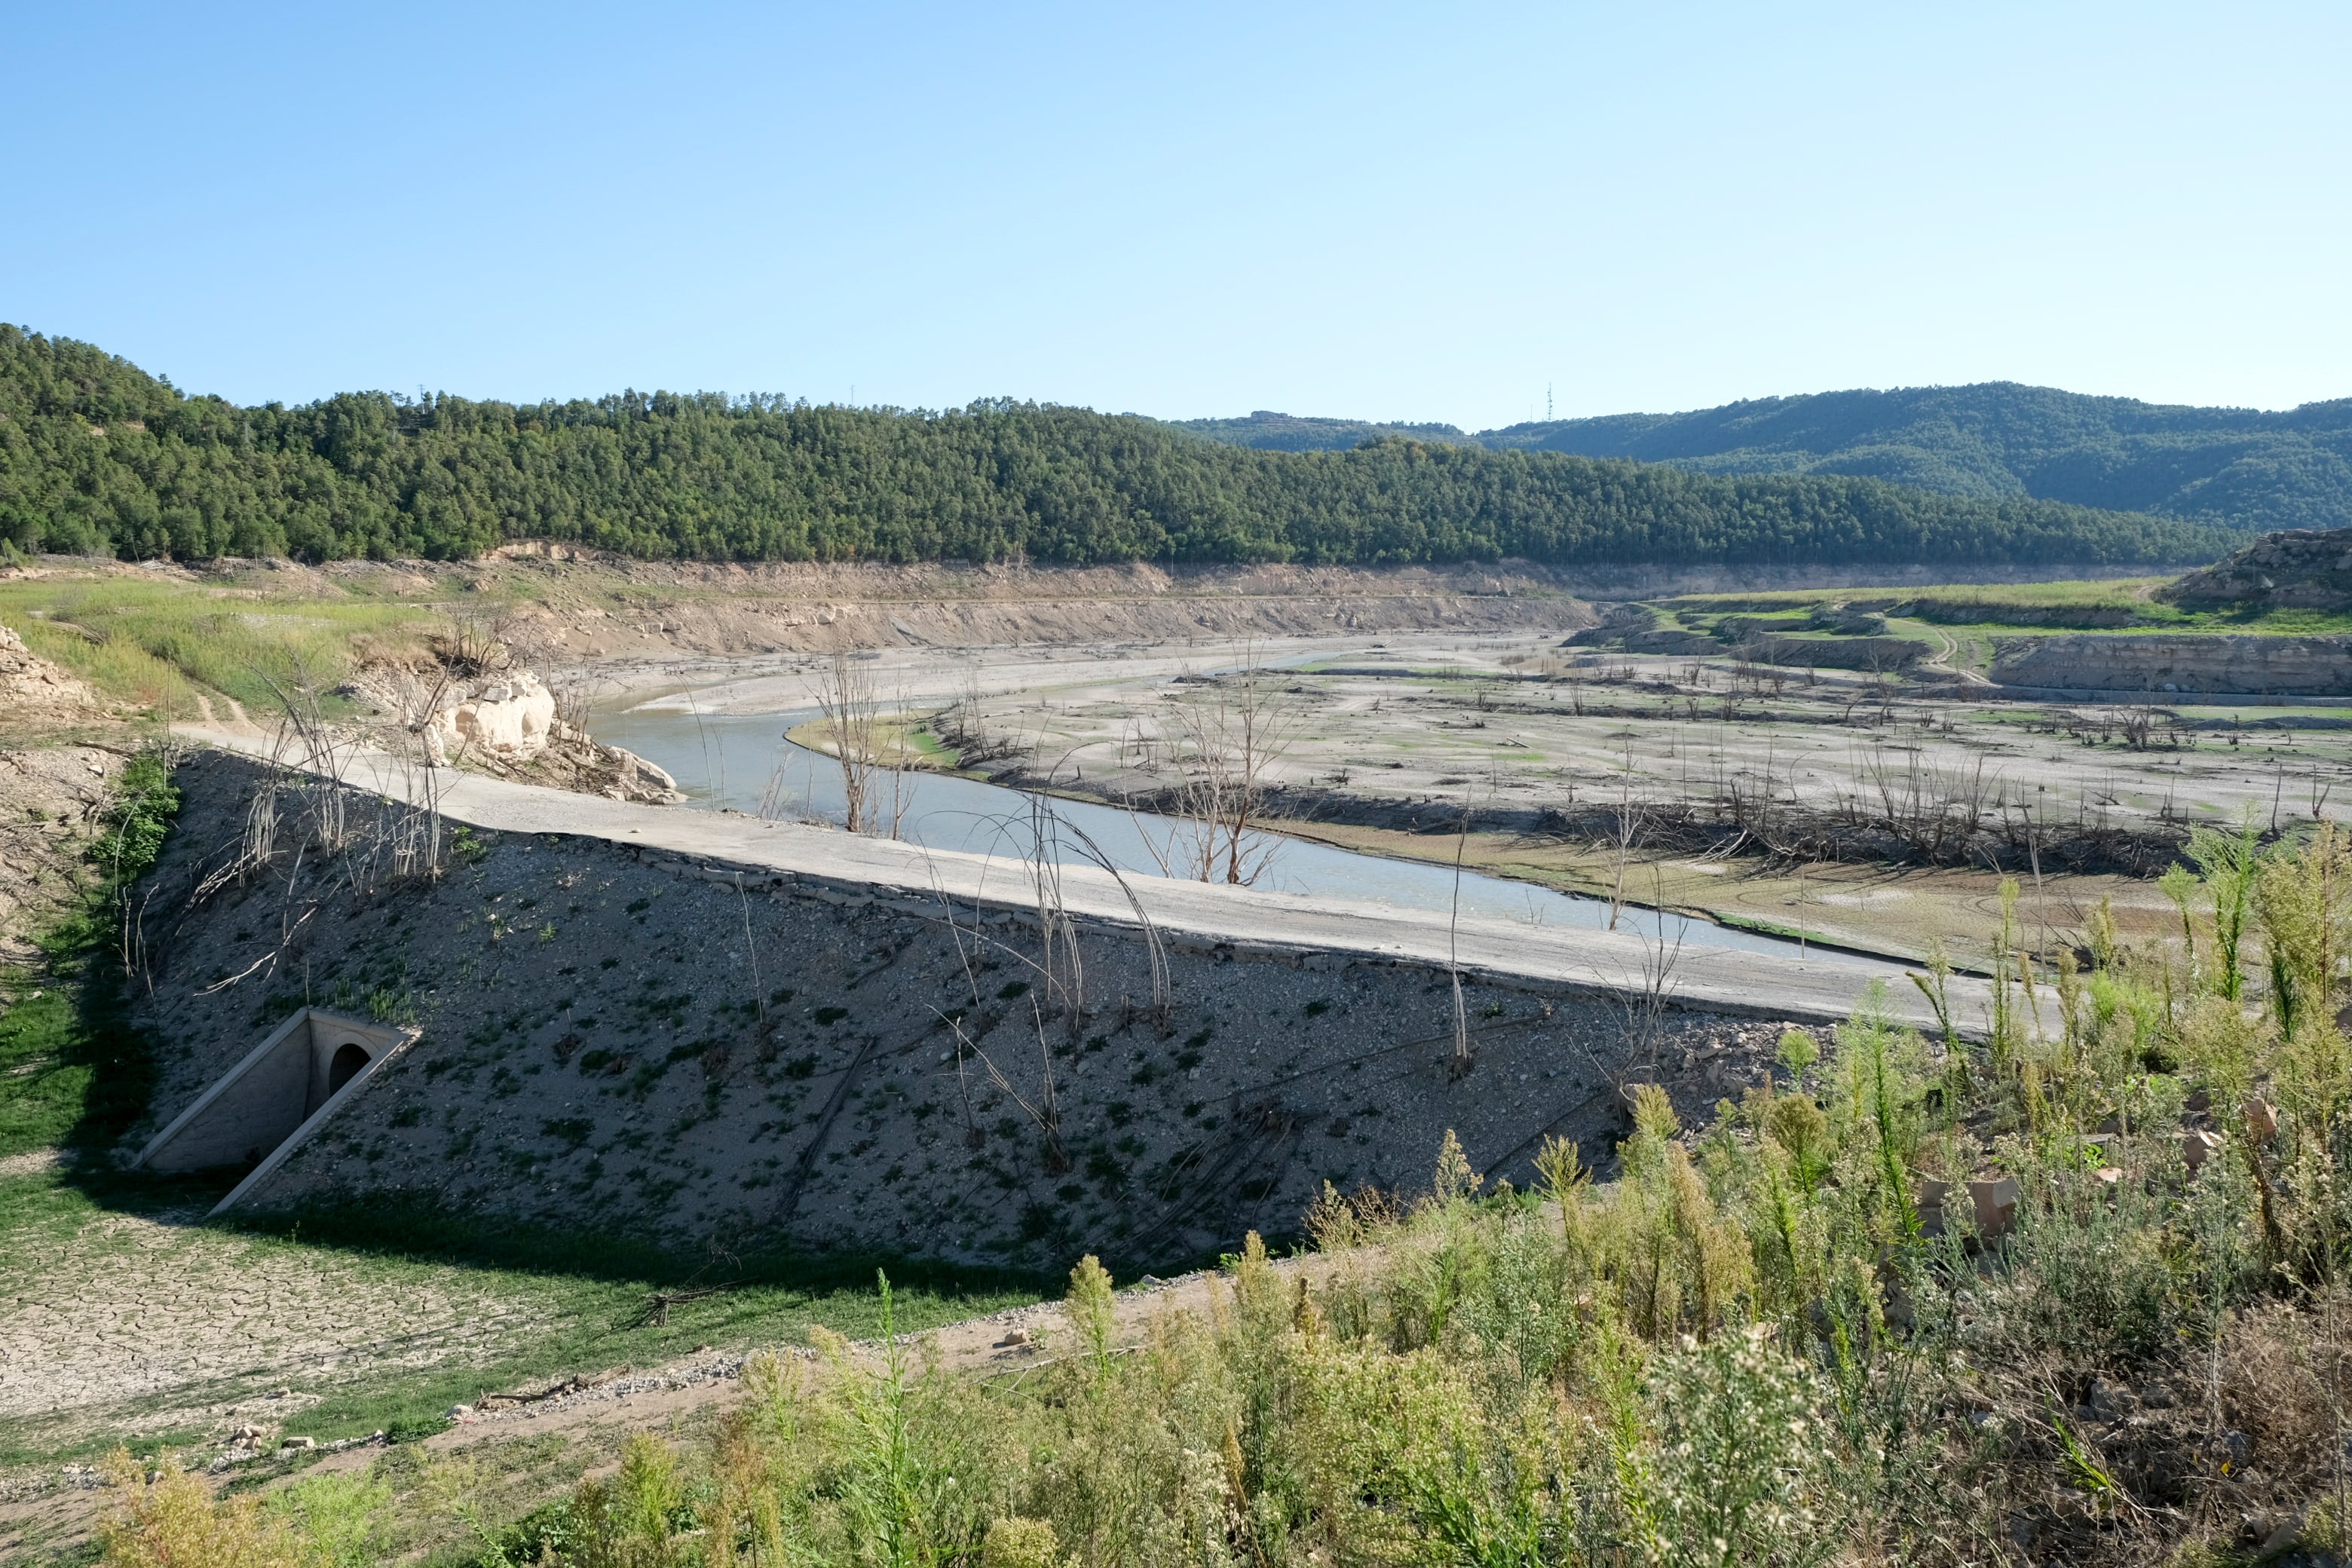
(2164, 664)
(2300, 569)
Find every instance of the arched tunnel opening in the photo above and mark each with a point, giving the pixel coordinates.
(248, 1114)
(349, 1061)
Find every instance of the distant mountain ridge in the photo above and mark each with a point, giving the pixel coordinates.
(2240, 467)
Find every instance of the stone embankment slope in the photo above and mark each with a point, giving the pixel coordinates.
(1820, 988)
(699, 1028)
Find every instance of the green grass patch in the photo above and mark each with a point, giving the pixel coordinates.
(160, 642)
(1972, 612)
(2102, 592)
(72, 1070)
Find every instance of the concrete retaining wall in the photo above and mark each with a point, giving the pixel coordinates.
(251, 1110)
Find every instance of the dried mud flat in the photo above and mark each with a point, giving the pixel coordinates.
(1875, 813)
(134, 1324)
(57, 1508)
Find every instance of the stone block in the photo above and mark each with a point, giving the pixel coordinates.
(1995, 1205)
(513, 715)
(1932, 1192)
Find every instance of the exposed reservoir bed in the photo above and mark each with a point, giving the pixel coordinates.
(744, 762)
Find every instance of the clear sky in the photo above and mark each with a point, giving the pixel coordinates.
(1425, 213)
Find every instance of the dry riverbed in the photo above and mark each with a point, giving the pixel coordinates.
(1874, 812)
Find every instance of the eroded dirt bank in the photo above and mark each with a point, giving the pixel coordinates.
(562, 606)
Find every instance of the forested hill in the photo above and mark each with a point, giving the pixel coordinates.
(95, 455)
(2242, 468)
(1270, 432)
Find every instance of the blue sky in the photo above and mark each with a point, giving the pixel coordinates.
(1429, 213)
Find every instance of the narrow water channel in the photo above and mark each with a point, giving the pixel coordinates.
(744, 760)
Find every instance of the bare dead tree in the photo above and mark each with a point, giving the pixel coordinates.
(845, 697)
(1156, 951)
(1058, 963)
(1462, 1057)
(307, 741)
(1628, 832)
(1642, 1000)
(1227, 739)
(479, 639)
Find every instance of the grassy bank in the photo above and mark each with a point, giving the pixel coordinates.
(161, 643)
(2118, 604)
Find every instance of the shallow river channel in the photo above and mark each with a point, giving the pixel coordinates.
(744, 760)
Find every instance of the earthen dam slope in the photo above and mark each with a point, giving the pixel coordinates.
(709, 1030)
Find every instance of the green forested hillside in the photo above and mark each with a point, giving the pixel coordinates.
(1270, 432)
(2242, 467)
(97, 456)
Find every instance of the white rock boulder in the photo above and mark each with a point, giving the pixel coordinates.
(511, 714)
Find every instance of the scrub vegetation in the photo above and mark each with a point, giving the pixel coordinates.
(2073, 1291)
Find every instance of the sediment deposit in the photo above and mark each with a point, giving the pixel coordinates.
(2172, 663)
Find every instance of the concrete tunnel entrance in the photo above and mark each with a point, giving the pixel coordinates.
(261, 1109)
(350, 1059)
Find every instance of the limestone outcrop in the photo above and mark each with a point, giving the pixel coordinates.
(2166, 664)
(634, 778)
(512, 715)
(505, 723)
(2299, 569)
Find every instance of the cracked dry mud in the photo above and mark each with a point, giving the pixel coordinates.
(137, 1324)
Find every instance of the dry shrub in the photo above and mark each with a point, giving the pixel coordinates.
(169, 1518)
